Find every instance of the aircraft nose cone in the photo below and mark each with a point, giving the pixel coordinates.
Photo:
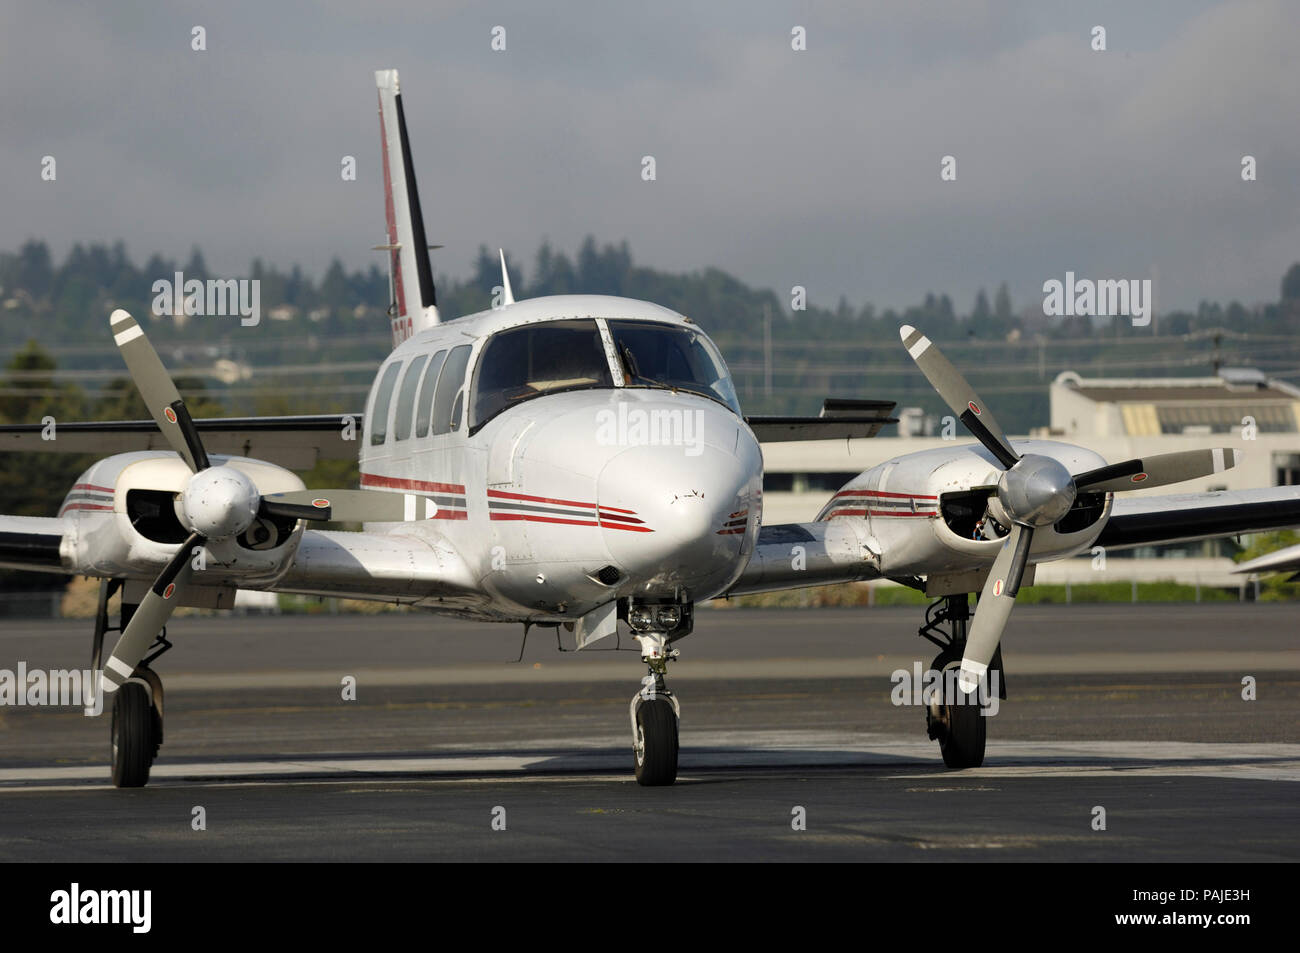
(693, 512)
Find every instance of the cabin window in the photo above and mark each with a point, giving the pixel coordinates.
(383, 398)
(521, 363)
(406, 398)
(425, 414)
(450, 381)
(671, 357)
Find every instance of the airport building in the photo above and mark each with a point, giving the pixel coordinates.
(1119, 418)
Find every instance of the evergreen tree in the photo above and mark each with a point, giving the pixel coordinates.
(1002, 303)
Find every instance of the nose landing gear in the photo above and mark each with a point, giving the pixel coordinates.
(655, 714)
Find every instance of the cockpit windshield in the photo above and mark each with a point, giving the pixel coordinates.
(548, 357)
(535, 359)
(665, 355)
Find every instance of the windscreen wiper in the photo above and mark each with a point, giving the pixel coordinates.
(633, 373)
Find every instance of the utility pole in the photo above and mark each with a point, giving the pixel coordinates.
(1155, 315)
(767, 350)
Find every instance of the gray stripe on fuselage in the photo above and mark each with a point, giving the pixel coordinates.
(552, 511)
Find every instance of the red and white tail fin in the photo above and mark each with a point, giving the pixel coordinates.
(415, 305)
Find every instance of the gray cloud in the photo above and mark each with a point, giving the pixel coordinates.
(816, 168)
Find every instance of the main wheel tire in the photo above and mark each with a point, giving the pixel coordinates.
(656, 748)
(133, 736)
(965, 730)
(962, 744)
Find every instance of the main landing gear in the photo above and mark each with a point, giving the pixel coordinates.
(955, 719)
(655, 715)
(137, 722)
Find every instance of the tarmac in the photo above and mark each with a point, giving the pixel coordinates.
(792, 747)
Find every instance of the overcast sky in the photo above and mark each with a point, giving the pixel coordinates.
(818, 168)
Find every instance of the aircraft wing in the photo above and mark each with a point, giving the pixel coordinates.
(795, 555)
(1284, 560)
(1182, 517)
(417, 567)
(840, 417)
(33, 543)
(292, 442)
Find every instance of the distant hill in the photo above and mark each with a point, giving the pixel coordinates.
(335, 325)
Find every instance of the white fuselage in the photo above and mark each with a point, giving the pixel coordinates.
(665, 486)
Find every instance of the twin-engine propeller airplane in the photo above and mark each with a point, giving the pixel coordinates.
(573, 461)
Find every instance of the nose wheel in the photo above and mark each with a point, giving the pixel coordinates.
(656, 715)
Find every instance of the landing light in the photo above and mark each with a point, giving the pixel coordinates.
(668, 616)
(641, 619)
(654, 618)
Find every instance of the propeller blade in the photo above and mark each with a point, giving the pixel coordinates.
(345, 506)
(1158, 470)
(150, 616)
(996, 602)
(159, 393)
(294, 511)
(959, 395)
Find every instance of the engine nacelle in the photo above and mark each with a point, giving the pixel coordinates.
(128, 513)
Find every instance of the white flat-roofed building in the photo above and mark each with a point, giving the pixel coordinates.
(1173, 406)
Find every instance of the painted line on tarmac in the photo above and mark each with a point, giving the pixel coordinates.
(735, 750)
(1101, 663)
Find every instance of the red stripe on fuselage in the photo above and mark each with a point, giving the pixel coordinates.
(882, 493)
(507, 495)
(847, 512)
(533, 518)
(400, 483)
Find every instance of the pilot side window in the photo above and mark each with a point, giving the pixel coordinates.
(446, 407)
(383, 398)
(425, 414)
(406, 398)
(521, 363)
